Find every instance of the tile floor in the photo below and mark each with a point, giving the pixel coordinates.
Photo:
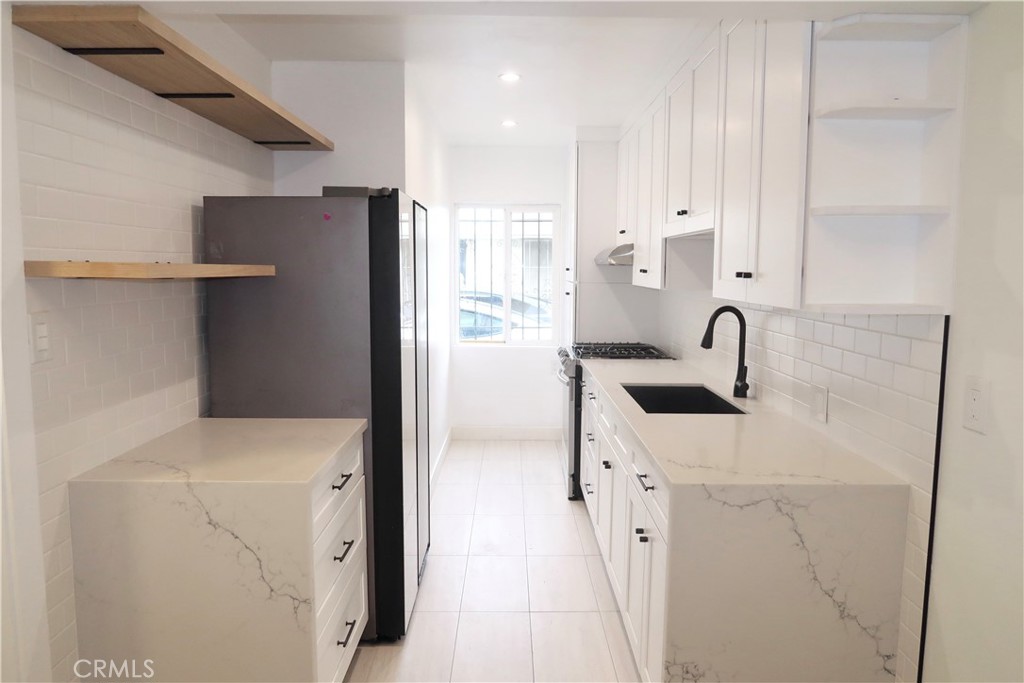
(515, 588)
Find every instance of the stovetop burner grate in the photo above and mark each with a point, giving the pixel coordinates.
(617, 350)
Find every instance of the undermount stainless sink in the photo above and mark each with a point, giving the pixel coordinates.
(680, 398)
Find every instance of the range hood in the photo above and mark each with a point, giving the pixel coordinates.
(621, 255)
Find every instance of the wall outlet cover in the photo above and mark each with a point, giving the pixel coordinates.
(39, 338)
(976, 404)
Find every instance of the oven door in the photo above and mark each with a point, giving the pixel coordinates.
(571, 427)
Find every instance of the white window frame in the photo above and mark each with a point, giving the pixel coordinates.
(557, 276)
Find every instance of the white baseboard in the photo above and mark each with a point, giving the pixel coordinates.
(507, 433)
(441, 455)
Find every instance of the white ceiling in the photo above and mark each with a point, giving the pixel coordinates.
(582, 64)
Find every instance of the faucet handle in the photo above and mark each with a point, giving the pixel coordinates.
(740, 388)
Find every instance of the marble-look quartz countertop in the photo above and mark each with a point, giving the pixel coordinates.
(233, 450)
(763, 446)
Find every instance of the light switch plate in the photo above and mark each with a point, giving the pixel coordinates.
(39, 338)
(819, 403)
(976, 404)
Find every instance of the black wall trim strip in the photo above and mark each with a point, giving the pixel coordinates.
(196, 95)
(935, 498)
(88, 51)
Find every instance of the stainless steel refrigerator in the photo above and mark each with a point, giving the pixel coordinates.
(341, 331)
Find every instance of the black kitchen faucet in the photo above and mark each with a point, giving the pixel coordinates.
(739, 389)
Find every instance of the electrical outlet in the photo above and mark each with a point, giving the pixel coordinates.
(819, 403)
(976, 404)
(39, 338)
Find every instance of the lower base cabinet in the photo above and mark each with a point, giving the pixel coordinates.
(226, 550)
(751, 582)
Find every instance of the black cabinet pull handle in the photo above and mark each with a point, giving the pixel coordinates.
(590, 437)
(348, 548)
(640, 478)
(344, 480)
(622, 232)
(643, 270)
(567, 270)
(351, 627)
(590, 491)
(644, 539)
(682, 212)
(607, 465)
(639, 531)
(591, 395)
(744, 275)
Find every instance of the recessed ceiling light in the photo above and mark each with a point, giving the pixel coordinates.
(509, 77)
(508, 123)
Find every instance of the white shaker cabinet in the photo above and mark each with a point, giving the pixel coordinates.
(626, 209)
(693, 143)
(648, 248)
(226, 550)
(764, 102)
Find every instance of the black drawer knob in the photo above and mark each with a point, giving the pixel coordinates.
(622, 232)
(643, 270)
(744, 275)
(644, 539)
(682, 212)
(607, 465)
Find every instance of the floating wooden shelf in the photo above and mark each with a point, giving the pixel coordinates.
(890, 27)
(106, 270)
(892, 109)
(135, 45)
(880, 210)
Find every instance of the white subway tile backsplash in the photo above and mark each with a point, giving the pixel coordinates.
(896, 349)
(926, 355)
(111, 172)
(844, 338)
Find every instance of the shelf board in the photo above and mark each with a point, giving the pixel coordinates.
(892, 109)
(128, 41)
(107, 270)
(880, 210)
(889, 27)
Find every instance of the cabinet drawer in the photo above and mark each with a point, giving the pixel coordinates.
(652, 485)
(332, 487)
(341, 545)
(340, 636)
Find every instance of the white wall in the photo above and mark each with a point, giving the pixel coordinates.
(609, 307)
(111, 172)
(426, 166)
(358, 105)
(882, 373)
(975, 617)
(25, 627)
(508, 386)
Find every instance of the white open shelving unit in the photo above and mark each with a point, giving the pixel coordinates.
(884, 150)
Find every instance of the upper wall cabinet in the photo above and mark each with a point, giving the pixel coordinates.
(648, 245)
(885, 149)
(693, 143)
(765, 92)
(138, 47)
(626, 210)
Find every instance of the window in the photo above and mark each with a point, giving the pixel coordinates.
(505, 274)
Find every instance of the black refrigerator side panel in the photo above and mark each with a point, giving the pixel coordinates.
(294, 345)
(386, 368)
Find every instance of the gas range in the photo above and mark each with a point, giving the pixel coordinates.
(585, 350)
(570, 374)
